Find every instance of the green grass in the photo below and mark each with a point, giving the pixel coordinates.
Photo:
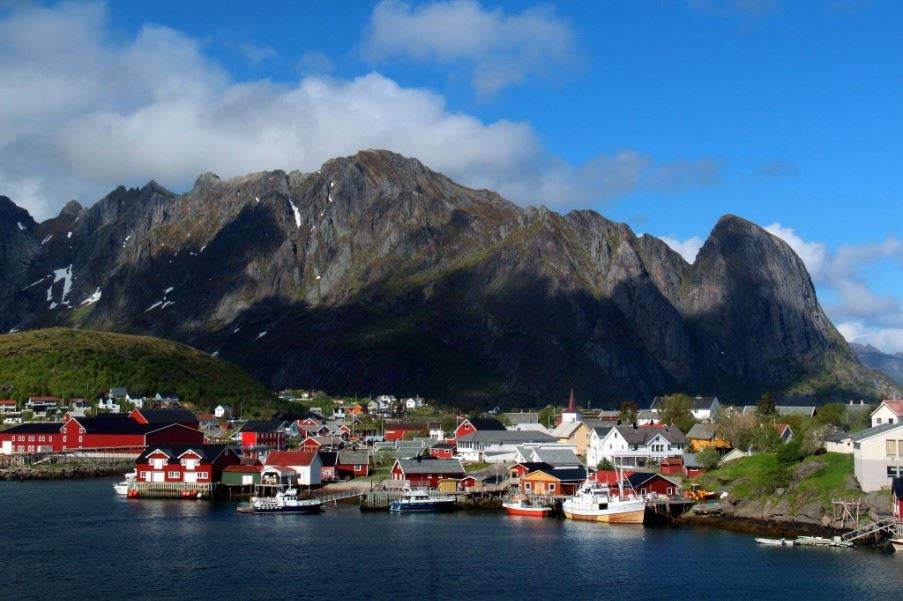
(80, 363)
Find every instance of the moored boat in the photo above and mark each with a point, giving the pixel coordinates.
(286, 501)
(522, 505)
(121, 488)
(897, 544)
(421, 500)
(775, 542)
(596, 502)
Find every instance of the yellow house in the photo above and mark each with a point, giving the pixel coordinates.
(702, 436)
(575, 433)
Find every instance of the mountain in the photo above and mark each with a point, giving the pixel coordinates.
(889, 365)
(377, 274)
(80, 363)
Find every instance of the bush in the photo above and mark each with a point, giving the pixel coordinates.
(605, 466)
(708, 458)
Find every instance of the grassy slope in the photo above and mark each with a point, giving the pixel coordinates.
(758, 476)
(80, 363)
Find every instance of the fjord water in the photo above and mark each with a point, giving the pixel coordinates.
(77, 540)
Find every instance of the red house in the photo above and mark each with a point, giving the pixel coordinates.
(353, 464)
(671, 465)
(31, 437)
(645, 483)
(398, 430)
(185, 464)
(426, 473)
(475, 424)
(328, 461)
(525, 467)
(443, 450)
(256, 434)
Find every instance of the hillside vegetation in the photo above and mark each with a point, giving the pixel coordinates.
(79, 363)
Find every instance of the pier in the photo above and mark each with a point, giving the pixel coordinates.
(170, 490)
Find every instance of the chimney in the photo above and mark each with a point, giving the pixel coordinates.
(572, 402)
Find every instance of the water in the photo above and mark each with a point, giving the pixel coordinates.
(77, 540)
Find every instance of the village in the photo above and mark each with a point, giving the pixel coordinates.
(481, 461)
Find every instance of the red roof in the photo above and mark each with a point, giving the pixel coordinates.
(609, 477)
(672, 461)
(896, 406)
(244, 469)
(291, 458)
(7, 402)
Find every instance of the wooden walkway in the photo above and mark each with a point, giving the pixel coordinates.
(170, 490)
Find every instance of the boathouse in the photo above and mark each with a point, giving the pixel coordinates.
(297, 467)
(553, 482)
(426, 473)
(443, 450)
(185, 464)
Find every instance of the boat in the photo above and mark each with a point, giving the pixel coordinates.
(285, 501)
(122, 488)
(522, 505)
(897, 544)
(775, 542)
(420, 500)
(597, 502)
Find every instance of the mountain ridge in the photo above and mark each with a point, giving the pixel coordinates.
(376, 273)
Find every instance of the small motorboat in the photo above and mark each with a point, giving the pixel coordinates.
(421, 500)
(523, 505)
(121, 488)
(285, 501)
(775, 542)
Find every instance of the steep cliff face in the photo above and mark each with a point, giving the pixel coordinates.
(375, 273)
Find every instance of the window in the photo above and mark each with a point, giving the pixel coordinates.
(172, 474)
(891, 448)
(31, 439)
(79, 439)
(357, 468)
(894, 471)
(42, 438)
(157, 463)
(528, 486)
(202, 475)
(551, 487)
(877, 420)
(144, 475)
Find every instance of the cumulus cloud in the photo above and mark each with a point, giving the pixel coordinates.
(863, 315)
(688, 248)
(82, 111)
(500, 49)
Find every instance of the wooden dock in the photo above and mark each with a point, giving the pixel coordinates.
(170, 490)
(379, 500)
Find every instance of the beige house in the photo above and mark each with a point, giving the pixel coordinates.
(575, 433)
(878, 456)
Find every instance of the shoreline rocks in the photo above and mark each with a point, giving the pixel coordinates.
(69, 472)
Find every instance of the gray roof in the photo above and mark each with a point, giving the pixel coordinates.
(507, 436)
(451, 467)
(868, 433)
(641, 436)
(646, 414)
(808, 411)
(557, 457)
(602, 430)
(522, 418)
(701, 432)
(838, 437)
(691, 461)
(354, 457)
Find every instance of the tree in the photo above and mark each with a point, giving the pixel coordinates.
(548, 414)
(628, 412)
(766, 405)
(605, 465)
(708, 458)
(675, 410)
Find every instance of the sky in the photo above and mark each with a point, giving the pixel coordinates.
(663, 114)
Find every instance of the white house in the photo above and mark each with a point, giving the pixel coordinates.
(498, 446)
(878, 456)
(413, 403)
(295, 467)
(221, 411)
(108, 404)
(137, 400)
(436, 431)
(632, 446)
(702, 407)
(888, 412)
(840, 442)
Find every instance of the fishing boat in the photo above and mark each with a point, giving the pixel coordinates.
(598, 502)
(420, 500)
(285, 501)
(522, 505)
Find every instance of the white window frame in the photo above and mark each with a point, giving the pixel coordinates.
(173, 474)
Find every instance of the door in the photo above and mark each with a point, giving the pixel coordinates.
(190, 477)
(158, 477)
(7, 447)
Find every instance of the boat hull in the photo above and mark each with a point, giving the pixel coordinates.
(533, 512)
(621, 517)
(897, 544)
(301, 509)
(432, 506)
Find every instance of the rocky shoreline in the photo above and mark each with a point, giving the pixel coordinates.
(68, 472)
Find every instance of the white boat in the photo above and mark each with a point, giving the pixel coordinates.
(122, 488)
(775, 542)
(596, 502)
(897, 544)
(285, 501)
(420, 500)
(522, 505)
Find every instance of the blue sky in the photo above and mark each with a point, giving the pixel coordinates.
(664, 114)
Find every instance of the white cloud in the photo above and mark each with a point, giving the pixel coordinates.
(688, 248)
(83, 110)
(256, 54)
(501, 49)
(863, 315)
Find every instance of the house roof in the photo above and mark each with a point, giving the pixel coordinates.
(7, 402)
(522, 418)
(894, 405)
(532, 466)
(563, 474)
(34, 428)
(167, 416)
(486, 423)
(557, 457)
(638, 479)
(289, 458)
(118, 391)
(507, 436)
(601, 431)
(207, 452)
(870, 432)
(259, 426)
(701, 432)
(445, 445)
(431, 466)
(328, 458)
(641, 436)
(805, 410)
(244, 468)
(566, 429)
(691, 461)
(354, 457)
(168, 396)
(113, 423)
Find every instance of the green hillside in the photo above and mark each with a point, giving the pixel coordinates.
(79, 363)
